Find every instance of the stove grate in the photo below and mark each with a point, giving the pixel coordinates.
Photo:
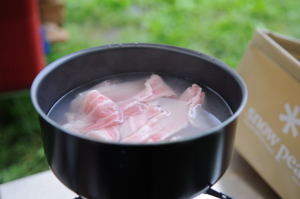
(210, 192)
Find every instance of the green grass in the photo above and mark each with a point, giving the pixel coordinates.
(20, 145)
(221, 28)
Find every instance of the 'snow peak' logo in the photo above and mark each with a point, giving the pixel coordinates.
(291, 120)
(271, 139)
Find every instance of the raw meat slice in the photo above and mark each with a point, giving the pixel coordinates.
(131, 108)
(203, 120)
(173, 117)
(136, 121)
(101, 111)
(79, 125)
(139, 90)
(155, 88)
(75, 124)
(120, 91)
(139, 111)
(193, 96)
(147, 129)
(93, 111)
(106, 134)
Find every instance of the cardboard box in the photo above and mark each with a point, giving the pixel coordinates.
(268, 131)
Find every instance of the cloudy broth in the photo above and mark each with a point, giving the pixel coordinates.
(212, 111)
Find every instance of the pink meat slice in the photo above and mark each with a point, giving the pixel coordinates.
(95, 115)
(136, 121)
(107, 134)
(163, 125)
(138, 90)
(155, 88)
(131, 97)
(193, 96)
(136, 111)
(75, 124)
(146, 130)
(131, 108)
(120, 91)
(101, 111)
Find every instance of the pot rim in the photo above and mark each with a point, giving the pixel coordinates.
(52, 66)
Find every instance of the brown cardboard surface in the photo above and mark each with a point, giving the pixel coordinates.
(274, 98)
(283, 50)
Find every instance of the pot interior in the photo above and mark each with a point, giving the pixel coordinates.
(85, 66)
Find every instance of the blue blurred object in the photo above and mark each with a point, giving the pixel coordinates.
(46, 44)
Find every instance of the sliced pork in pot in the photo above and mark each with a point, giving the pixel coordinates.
(139, 111)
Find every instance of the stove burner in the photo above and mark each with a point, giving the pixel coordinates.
(217, 194)
(210, 191)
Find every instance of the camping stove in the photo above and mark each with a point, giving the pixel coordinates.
(210, 192)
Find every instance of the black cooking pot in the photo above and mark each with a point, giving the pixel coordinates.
(101, 170)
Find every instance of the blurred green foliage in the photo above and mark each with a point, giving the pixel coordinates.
(20, 144)
(221, 28)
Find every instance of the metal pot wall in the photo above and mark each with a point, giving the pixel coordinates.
(101, 170)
